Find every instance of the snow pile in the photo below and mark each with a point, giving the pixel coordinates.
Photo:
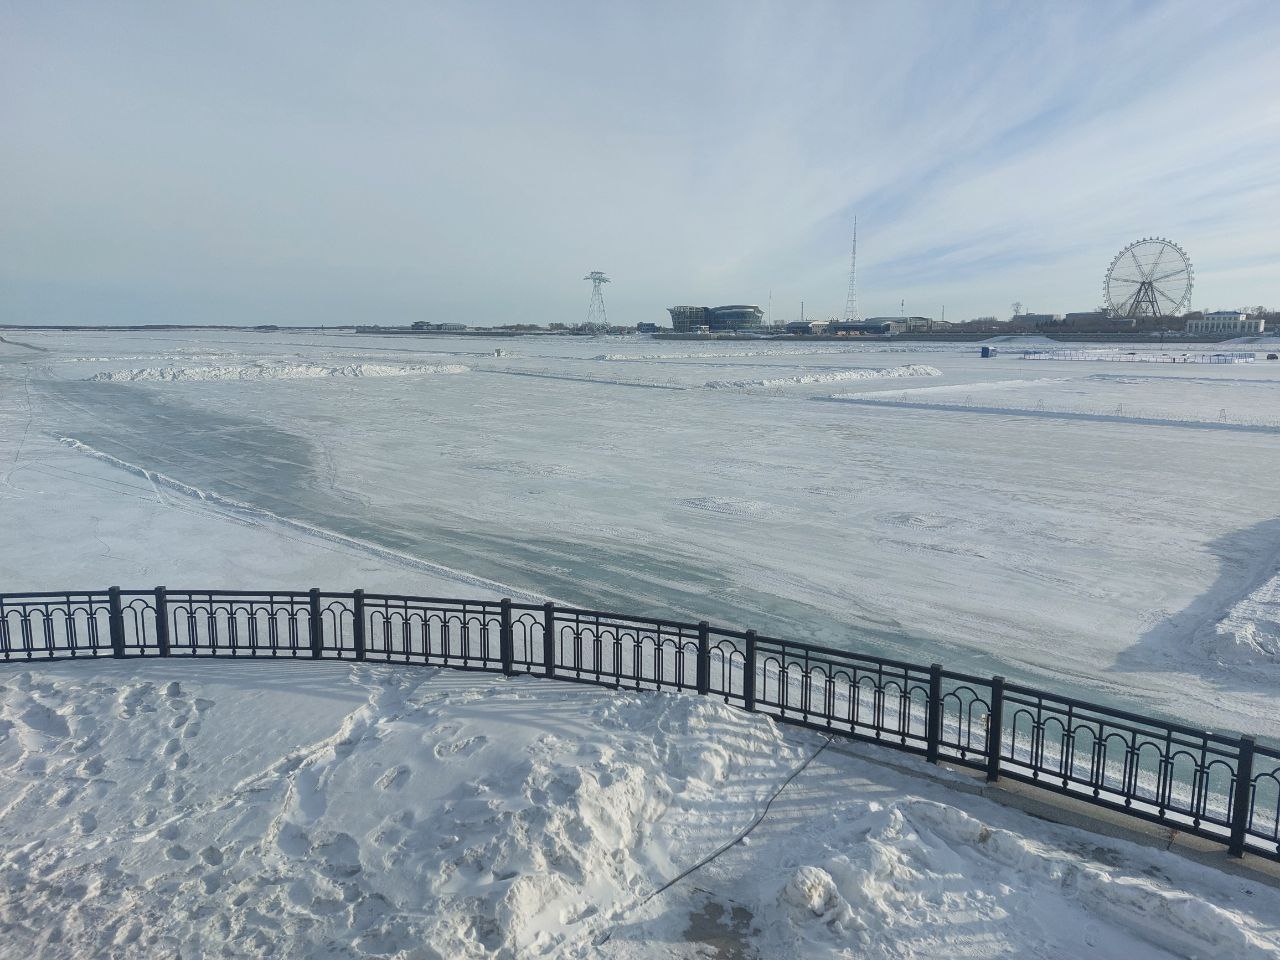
(1023, 340)
(882, 373)
(298, 809)
(958, 389)
(905, 870)
(730, 355)
(1249, 633)
(275, 371)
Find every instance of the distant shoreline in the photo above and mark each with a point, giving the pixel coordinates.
(1118, 337)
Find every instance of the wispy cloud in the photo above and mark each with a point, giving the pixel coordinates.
(316, 163)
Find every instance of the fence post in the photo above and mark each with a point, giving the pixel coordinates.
(749, 673)
(704, 657)
(357, 622)
(115, 621)
(317, 628)
(162, 621)
(549, 639)
(995, 729)
(506, 642)
(934, 717)
(1240, 799)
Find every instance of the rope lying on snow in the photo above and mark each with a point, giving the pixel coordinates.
(604, 937)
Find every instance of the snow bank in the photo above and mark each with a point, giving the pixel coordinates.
(730, 355)
(892, 873)
(1249, 633)
(275, 371)
(294, 810)
(1021, 340)
(179, 808)
(882, 373)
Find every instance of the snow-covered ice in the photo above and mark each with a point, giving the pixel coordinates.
(834, 376)
(1066, 524)
(277, 371)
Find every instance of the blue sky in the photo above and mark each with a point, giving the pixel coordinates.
(390, 162)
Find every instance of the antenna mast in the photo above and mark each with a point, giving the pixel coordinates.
(851, 301)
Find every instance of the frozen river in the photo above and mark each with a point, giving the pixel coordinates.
(1109, 528)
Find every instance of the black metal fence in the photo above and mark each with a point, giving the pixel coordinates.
(1222, 788)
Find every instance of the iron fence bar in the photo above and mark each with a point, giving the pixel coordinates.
(549, 639)
(1241, 797)
(995, 725)
(357, 623)
(934, 712)
(704, 657)
(115, 621)
(506, 642)
(162, 621)
(315, 624)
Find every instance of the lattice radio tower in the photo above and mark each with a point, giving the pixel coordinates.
(595, 310)
(851, 301)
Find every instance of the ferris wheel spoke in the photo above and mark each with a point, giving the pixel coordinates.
(1155, 265)
(1124, 280)
(1159, 292)
(1166, 276)
(1142, 273)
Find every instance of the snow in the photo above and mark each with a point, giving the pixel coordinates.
(1067, 524)
(1112, 535)
(276, 371)
(1249, 632)
(1016, 340)
(878, 373)
(301, 809)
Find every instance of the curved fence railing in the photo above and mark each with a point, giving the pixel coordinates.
(1221, 788)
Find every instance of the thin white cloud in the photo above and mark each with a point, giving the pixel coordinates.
(309, 163)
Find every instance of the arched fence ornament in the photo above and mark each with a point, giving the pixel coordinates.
(1222, 788)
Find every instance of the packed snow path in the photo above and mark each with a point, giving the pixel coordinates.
(301, 809)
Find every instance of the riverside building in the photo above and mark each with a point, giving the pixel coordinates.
(735, 316)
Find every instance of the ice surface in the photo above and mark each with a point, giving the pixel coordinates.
(1063, 523)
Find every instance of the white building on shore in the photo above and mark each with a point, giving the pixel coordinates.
(1225, 322)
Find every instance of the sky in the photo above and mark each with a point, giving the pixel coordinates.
(385, 162)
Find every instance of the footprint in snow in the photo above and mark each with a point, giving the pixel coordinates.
(395, 778)
(459, 748)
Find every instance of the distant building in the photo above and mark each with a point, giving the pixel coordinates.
(440, 327)
(647, 328)
(806, 327)
(1085, 318)
(737, 316)
(687, 319)
(1225, 322)
(877, 326)
(1040, 319)
(884, 326)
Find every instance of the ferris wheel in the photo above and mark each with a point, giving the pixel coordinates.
(1149, 278)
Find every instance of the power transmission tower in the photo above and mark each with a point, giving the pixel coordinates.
(851, 301)
(596, 318)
